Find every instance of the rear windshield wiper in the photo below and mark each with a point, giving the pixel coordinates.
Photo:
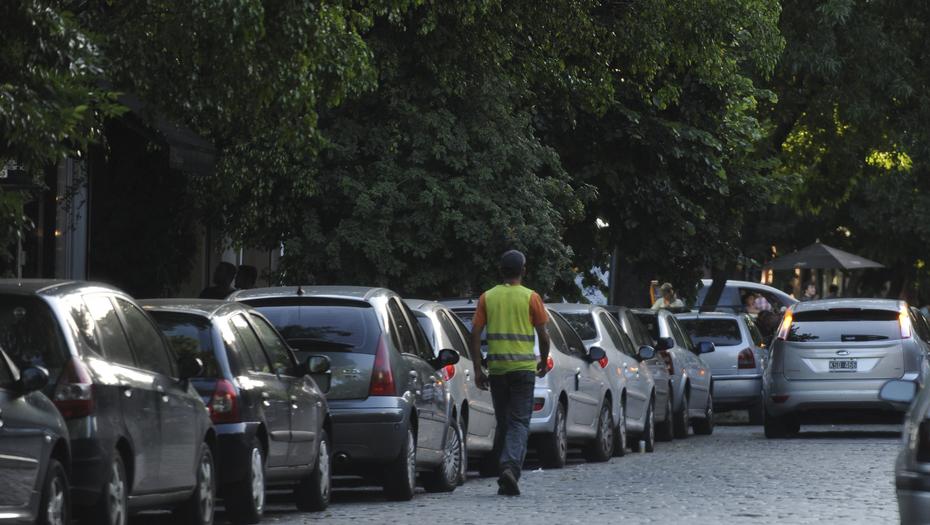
(862, 337)
(310, 344)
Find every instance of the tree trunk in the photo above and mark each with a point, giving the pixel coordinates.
(627, 286)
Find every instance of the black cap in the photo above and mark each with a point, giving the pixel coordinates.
(513, 260)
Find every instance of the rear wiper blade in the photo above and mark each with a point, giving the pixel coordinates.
(862, 337)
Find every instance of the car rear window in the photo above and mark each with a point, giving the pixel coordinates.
(583, 324)
(326, 325)
(651, 323)
(30, 335)
(190, 335)
(844, 325)
(721, 332)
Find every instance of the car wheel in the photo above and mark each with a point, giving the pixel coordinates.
(400, 480)
(445, 477)
(775, 427)
(648, 437)
(553, 448)
(314, 491)
(463, 464)
(665, 430)
(705, 426)
(55, 506)
(601, 449)
(199, 507)
(680, 419)
(112, 508)
(620, 436)
(245, 500)
(757, 413)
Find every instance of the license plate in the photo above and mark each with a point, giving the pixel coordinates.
(843, 365)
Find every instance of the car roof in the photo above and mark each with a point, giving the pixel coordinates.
(423, 305)
(358, 293)
(460, 303)
(751, 285)
(52, 287)
(870, 304)
(571, 308)
(709, 315)
(208, 308)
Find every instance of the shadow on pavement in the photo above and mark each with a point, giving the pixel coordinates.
(848, 434)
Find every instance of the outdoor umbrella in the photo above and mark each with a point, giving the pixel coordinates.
(819, 256)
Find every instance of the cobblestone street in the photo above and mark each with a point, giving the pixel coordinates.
(826, 475)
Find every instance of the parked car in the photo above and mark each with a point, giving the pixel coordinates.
(569, 402)
(140, 435)
(35, 455)
(912, 468)
(733, 291)
(271, 419)
(831, 357)
(659, 366)
(631, 385)
(391, 411)
(692, 381)
(472, 406)
(737, 361)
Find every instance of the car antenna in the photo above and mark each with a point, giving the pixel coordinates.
(300, 290)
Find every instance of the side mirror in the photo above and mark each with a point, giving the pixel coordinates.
(446, 357)
(189, 367)
(898, 391)
(665, 343)
(318, 364)
(33, 378)
(596, 353)
(706, 347)
(646, 353)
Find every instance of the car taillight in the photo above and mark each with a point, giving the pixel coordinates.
(785, 328)
(923, 442)
(745, 359)
(668, 362)
(603, 362)
(550, 364)
(74, 394)
(538, 404)
(448, 372)
(224, 404)
(382, 378)
(904, 321)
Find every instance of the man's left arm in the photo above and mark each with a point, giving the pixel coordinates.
(539, 317)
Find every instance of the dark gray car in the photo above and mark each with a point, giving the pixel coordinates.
(35, 456)
(390, 407)
(912, 468)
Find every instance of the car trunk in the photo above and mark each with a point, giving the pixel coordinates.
(727, 338)
(724, 360)
(346, 331)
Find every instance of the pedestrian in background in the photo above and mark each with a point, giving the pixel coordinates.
(515, 317)
(810, 293)
(246, 277)
(223, 277)
(668, 299)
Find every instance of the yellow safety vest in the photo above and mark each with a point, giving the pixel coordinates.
(510, 333)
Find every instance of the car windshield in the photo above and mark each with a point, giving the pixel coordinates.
(844, 325)
(328, 326)
(651, 323)
(721, 332)
(583, 324)
(30, 335)
(190, 335)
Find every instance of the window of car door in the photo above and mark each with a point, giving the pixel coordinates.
(113, 340)
(455, 337)
(149, 348)
(754, 333)
(616, 336)
(6, 375)
(573, 343)
(555, 335)
(282, 360)
(463, 332)
(249, 347)
(681, 338)
(424, 346)
(403, 337)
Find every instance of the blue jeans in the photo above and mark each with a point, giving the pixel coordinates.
(512, 395)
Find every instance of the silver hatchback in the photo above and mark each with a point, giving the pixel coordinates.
(830, 358)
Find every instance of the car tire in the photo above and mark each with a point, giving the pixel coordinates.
(602, 448)
(112, 508)
(400, 476)
(314, 491)
(463, 468)
(245, 500)
(620, 434)
(705, 425)
(680, 419)
(757, 413)
(648, 437)
(775, 427)
(199, 507)
(445, 477)
(55, 505)
(665, 430)
(553, 448)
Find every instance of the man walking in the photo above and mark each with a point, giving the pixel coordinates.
(514, 317)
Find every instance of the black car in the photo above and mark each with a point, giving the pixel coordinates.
(392, 411)
(140, 435)
(271, 418)
(35, 456)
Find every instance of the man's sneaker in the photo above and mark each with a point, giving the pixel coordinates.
(507, 484)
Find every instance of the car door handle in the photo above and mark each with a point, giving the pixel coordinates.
(265, 399)
(126, 389)
(467, 375)
(161, 391)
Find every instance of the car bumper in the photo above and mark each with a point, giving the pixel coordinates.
(785, 397)
(543, 421)
(737, 392)
(89, 470)
(369, 430)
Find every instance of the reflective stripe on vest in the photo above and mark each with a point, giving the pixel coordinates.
(511, 337)
(512, 357)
